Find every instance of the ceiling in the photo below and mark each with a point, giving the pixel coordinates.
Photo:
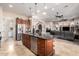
(68, 10)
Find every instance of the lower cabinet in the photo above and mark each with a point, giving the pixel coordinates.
(26, 39)
(45, 47)
(39, 46)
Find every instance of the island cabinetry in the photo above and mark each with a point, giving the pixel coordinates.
(40, 46)
(45, 47)
(26, 39)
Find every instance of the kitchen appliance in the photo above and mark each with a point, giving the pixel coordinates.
(20, 28)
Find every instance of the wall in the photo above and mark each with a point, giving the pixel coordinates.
(45, 24)
(1, 21)
(7, 20)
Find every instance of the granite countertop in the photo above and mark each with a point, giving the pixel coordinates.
(43, 36)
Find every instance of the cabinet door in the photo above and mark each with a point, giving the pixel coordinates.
(49, 46)
(41, 47)
(28, 41)
(23, 38)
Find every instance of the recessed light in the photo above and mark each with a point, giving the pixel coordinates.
(57, 3)
(34, 16)
(44, 13)
(10, 6)
(38, 11)
(52, 9)
(45, 7)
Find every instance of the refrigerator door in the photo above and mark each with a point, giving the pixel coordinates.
(19, 32)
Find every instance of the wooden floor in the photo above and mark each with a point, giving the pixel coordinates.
(62, 48)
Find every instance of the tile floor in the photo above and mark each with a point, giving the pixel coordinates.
(66, 48)
(14, 49)
(62, 48)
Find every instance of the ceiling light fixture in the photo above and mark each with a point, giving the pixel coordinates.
(57, 3)
(45, 7)
(10, 6)
(38, 11)
(52, 9)
(44, 13)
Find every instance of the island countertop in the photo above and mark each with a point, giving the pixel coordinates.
(39, 45)
(44, 36)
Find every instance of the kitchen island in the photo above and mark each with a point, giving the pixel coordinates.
(39, 45)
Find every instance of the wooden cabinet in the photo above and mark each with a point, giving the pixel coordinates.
(39, 46)
(45, 47)
(49, 44)
(23, 39)
(26, 40)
